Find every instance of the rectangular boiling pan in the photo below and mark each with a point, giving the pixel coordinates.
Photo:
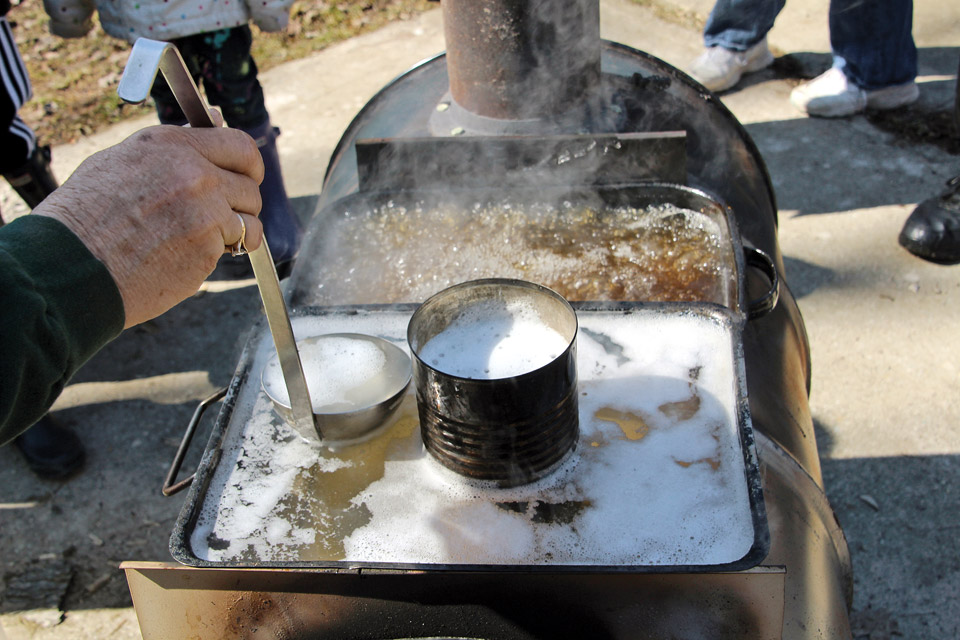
(686, 485)
(358, 249)
(244, 412)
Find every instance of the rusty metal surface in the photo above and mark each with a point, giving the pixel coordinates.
(512, 59)
(807, 539)
(172, 601)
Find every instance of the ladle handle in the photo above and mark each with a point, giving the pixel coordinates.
(146, 59)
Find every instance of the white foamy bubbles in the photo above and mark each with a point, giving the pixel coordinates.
(492, 340)
(344, 372)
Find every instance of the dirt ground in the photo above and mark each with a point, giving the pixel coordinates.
(75, 80)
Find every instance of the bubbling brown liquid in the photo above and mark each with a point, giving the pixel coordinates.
(405, 254)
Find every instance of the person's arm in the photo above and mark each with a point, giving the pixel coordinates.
(159, 208)
(135, 230)
(58, 306)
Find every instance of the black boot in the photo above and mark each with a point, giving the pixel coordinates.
(932, 231)
(33, 180)
(51, 451)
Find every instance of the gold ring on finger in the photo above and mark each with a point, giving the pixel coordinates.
(238, 248)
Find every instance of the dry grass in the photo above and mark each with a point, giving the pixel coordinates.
(75, 81)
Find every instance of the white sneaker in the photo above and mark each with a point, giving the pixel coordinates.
(719, 69)
(832, 95)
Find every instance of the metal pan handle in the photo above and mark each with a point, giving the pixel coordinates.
(170, 486)
(759, 307)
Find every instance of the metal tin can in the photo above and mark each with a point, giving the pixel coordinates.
(515, 420)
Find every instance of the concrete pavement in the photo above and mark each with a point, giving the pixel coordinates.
(882, 325)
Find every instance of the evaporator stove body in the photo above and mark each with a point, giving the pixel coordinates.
(692, 505)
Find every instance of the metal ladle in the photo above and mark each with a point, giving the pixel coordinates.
(146, 59)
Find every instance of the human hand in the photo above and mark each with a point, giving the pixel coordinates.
(270, 16)
(159, 208)
(272, 23)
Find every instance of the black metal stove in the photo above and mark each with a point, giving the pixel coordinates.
(520, 110)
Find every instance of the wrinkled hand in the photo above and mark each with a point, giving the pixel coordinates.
(159, 208)
(272, 23)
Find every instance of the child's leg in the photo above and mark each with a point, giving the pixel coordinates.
(220, 62)
(229, 76)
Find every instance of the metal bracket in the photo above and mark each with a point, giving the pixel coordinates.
(514, 161)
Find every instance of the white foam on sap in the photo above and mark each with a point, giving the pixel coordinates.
(246, 521)
(342, 373)
(492, 340)
(250, 511)
(657, 477)
(675, 496)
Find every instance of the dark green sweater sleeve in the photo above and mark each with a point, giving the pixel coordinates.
(58, 306)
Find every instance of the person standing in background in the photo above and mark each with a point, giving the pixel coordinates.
(932, 231)
(214, 39)
(874, 55)
(50, 450)
(24, 164)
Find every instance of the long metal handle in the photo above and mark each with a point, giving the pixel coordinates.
(146, 59)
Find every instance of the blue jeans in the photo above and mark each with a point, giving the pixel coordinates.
(872, 40)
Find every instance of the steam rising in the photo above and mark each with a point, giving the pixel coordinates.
(406, 253)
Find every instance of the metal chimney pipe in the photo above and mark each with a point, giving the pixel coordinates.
(522, 59)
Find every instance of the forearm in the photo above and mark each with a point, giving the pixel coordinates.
(134, 231)
(58, 306)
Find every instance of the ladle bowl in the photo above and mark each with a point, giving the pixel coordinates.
(356, 382)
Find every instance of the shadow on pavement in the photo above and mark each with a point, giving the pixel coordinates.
(901, 519)
(882, 156)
